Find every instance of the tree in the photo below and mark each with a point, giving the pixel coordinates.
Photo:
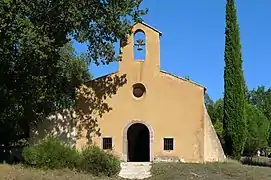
(187, 77)
(215, 111)
(218, 119)
(258, 129)
(209, 104)
(257, 124)
(234, 121)
(72, 71)
(36, 78)
(260, 97)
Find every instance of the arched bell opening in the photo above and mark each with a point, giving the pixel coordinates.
(139, 45)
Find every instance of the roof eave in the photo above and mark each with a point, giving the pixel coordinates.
(145, 24)
(192, 82)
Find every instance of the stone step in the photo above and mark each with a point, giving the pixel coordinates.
(139, 168)
(134, 173)
(135, 170)
(135, 176)
(136, 163)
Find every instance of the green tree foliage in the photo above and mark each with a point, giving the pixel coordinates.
(215, 111)
(258, 129)
(73, 70)
(218, 119)
(37, 76)
(257, 123)
(209, 104)
(260, 97)
(234, 121)
(187, 77)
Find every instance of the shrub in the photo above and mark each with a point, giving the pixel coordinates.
(98, 162)
(51, 153)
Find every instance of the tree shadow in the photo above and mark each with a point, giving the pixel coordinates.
(92, 104)
(60, 124)
(81, 121)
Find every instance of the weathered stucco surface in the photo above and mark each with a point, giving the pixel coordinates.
(171, 107)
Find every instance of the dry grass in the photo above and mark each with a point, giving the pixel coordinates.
(214, 171)
(18, 172)
(161, 171)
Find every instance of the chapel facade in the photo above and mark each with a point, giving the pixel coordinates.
(154, 115)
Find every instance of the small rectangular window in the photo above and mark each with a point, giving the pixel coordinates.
(107, 143)
(168, 144)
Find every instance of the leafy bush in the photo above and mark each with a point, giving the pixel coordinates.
(98, 162)
(258, 129)
(51, 153)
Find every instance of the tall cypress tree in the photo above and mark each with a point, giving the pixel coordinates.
(234, 122)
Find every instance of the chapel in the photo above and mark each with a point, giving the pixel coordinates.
(144, 114)
(154, 115)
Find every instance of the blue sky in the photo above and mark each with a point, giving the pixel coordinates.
(193, 38)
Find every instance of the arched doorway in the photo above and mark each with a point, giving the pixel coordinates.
(138, 137)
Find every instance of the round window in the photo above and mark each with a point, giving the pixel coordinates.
(139, 90)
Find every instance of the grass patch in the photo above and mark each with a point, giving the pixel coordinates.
(19, 172)
(160, 171)
(212, 171)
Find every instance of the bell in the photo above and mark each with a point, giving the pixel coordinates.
(139, 48)
(139, 44)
